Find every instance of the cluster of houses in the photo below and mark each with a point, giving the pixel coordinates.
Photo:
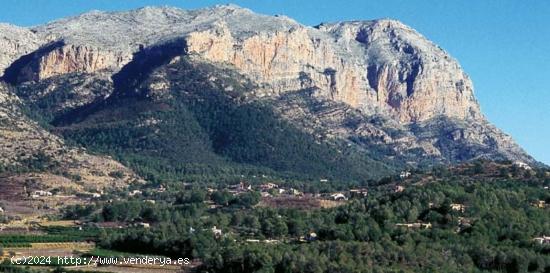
(418, 225)
(41, 194)
(38, 194)
(270, 189)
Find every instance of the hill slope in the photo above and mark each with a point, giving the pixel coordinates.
(189, 118)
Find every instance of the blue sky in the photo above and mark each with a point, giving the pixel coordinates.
(504, 45)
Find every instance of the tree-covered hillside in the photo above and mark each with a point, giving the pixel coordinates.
(198, 126)
(478, 218)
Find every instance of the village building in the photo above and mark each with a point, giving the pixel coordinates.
(268, 186)
(458, 207)
(37, 194)
(544, 240)
(135, 192)
(358, 193)
(312, 236)
(241, 187)
(539, 204)
(522, 165)
(216, 231)
(338, 197)
(96, 195)
(404, 174)
(143, 225)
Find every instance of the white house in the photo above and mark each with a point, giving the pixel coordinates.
(96, 195)
(134, 193)
(404, 174)
(542, 240)
(338, 197)
(217, 232)
(37, 194)
(311, 236)
(522, 165)
(359, 192)
(458, 207)
(143, 225)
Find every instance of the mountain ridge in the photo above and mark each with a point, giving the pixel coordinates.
(369, 84)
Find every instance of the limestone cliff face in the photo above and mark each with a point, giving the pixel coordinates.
(59, 59)
(78, 58)
(285, 61)
(415, 78)
(376, 66)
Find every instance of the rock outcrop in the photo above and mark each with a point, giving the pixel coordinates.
(76, 58)
(57, 58)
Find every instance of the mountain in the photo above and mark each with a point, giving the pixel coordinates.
(174, 93)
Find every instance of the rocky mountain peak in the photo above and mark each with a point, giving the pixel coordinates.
(380, 68)
(414, 77)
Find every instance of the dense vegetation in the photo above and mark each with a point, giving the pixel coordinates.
(200, 129)
(203, 129)
(493, 234)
